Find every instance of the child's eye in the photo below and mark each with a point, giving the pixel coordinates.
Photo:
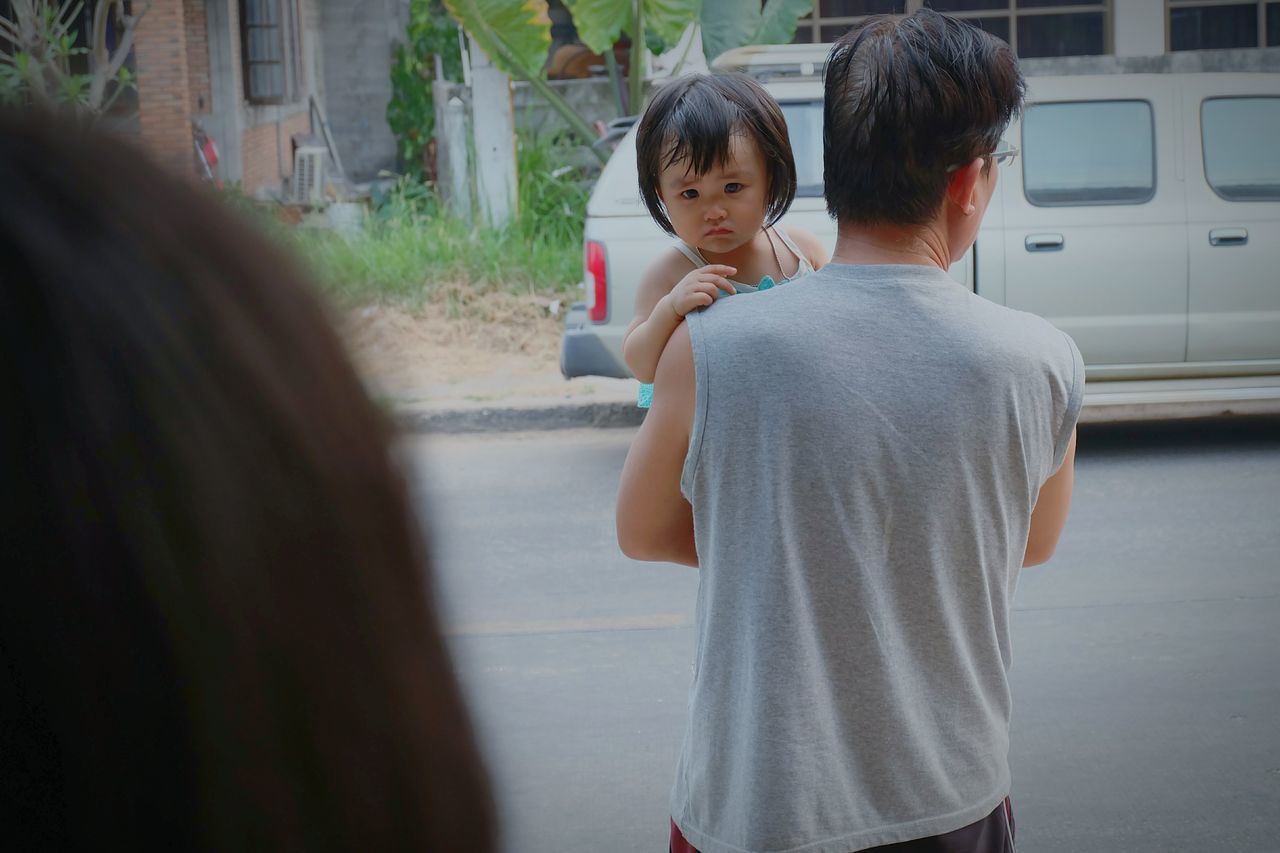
(689, 195)
(733, 187)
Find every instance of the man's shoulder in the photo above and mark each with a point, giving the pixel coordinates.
(1028, 342)
(1018, 326)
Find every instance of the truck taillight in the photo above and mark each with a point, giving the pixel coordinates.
(597, 282)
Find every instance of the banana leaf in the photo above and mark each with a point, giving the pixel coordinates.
(601, 22)
(652, 24)
(727, 24)
(516, 36)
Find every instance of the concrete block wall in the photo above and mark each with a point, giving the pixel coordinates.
(160, 54)
(592, 97)
(358, 40)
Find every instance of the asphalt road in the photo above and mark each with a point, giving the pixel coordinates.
(1146, 671)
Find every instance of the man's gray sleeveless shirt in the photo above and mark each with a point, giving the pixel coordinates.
(867, 447)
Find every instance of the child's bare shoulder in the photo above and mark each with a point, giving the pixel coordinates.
(810, 245)
(666, 270)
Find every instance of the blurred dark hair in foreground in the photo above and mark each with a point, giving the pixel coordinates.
(216, 631)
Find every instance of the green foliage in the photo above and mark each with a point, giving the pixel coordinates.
(11, 86)
(413, 246)
(406, 198)
(601, 22)
(553, 194)
(37, 45)
(661, 22)
(255, 213)
(515, 35)
(411, 112)
(727, 24)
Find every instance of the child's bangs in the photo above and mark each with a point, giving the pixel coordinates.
(698, 133)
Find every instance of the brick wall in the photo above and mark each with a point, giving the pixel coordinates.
(266, 151)
(160, 51)
(197, 57)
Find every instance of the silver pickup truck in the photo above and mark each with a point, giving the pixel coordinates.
(1143, 218)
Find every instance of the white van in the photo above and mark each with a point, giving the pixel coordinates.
(1142, 217)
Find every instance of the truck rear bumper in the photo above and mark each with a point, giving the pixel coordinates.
(583, 353)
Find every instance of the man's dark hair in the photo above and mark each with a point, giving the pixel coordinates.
(217, 630)
(694, 118)
(907, 98)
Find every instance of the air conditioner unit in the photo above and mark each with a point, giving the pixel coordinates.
(307, 184)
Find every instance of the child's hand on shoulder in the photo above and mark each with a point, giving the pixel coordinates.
(698, 288)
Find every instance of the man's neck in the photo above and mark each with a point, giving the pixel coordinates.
(919, 245)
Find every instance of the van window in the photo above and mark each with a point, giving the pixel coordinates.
(1241, 157)
(804, 126)
(1097, 152)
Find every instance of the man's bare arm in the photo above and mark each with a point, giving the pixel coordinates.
(654, 520)
(1050, 513)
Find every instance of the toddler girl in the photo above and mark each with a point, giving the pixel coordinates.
(716, 172)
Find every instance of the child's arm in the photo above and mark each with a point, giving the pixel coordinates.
(660, 308)
(812, 247)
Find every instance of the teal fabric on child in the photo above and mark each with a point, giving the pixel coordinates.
(644, 398)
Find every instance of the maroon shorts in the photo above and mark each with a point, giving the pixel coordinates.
(992, 834)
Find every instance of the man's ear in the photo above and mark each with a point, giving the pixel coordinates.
(962, 188)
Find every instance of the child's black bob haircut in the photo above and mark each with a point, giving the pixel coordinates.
(693, 118)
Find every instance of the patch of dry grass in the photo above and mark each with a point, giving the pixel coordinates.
(454, 335)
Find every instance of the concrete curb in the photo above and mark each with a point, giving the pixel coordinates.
(602, 414)
(520, 418)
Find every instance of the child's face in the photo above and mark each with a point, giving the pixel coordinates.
(723, 209)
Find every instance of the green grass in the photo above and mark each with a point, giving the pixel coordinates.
(413, 245)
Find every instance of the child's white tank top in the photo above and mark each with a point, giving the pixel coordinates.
(804, 267)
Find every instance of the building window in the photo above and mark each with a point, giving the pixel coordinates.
(269, 50)
(1099, 152)
(1223, 24)
(1034, 28)
(831, 18)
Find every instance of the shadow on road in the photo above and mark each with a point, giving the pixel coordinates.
(1237, 434)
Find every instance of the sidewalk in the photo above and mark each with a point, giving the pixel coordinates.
(516, 400)
(495, 373)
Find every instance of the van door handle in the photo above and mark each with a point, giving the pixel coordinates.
(1228, 237)
(1044, 242)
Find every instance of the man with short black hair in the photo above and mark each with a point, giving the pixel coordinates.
(861, 463)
